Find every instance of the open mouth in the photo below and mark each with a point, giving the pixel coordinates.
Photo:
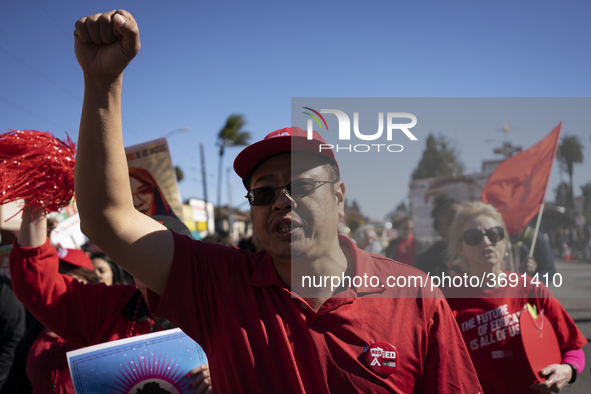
(283, 228)
(488, 252)
(287, 227)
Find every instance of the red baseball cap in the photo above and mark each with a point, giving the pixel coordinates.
(75, 257)
(289, 139)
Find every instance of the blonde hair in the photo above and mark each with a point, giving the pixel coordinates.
(471, 210)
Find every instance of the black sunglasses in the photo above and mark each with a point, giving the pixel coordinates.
(295, 189)
(474, 237)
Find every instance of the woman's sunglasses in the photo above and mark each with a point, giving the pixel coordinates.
(295, 189)
(474, 237)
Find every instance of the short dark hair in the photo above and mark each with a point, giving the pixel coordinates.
(441, 204)
(333, 171)
(68, 269)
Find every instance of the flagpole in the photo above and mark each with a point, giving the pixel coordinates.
(537, 229)
(533, 242)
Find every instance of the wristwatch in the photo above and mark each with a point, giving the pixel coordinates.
(574, 371)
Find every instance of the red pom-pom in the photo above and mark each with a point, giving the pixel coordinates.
(37, 167)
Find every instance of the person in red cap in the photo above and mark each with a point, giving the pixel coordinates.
(73, 313)
(41, 363)
(262, 329)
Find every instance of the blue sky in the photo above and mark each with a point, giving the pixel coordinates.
(202, 61)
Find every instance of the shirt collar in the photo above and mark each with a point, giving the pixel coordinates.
(265, 273)
(363, 267)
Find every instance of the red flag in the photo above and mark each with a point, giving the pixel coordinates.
(517, 187)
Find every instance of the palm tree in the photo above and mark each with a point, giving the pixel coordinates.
(230, 135)
(180, 175)
(562, 192)
(570, 151)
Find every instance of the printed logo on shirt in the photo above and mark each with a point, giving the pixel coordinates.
(501, 353)
(381, 357)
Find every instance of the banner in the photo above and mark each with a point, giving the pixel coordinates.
(518, 185)
(202, 218)
(150, 363)
(67, 233)
(153, 179)
(423, 192)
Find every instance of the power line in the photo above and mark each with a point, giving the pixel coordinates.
(40, 74)
(28, 111)
(54, 19)
(74, 96)
(127, 97)
(66, 128)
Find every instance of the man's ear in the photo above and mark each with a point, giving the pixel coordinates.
(340, 197)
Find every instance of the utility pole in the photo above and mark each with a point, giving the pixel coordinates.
(230, 209)
(507, 149)
(204, 177)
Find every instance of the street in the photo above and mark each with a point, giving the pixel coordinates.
(575, 296)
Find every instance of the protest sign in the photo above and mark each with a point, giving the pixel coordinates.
(67, 233)
(424, 191)
(153, 180)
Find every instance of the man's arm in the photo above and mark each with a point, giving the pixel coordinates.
(544, 257)
(105, 44)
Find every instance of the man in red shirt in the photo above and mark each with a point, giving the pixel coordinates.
(403, 248)
(262, 328)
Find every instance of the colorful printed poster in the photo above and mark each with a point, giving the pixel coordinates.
(153, 179)
(151, 363)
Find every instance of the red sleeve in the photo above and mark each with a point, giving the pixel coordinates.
(198, 286)
(568, 334)
(83, 314)
(448, 367)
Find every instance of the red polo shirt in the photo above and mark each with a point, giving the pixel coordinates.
(405, 250)
(260, 337)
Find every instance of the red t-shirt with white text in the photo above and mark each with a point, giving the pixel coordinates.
(489, 323)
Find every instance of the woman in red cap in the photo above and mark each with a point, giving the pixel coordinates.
(40, 364)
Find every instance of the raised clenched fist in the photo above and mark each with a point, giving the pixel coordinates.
(106, 43)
